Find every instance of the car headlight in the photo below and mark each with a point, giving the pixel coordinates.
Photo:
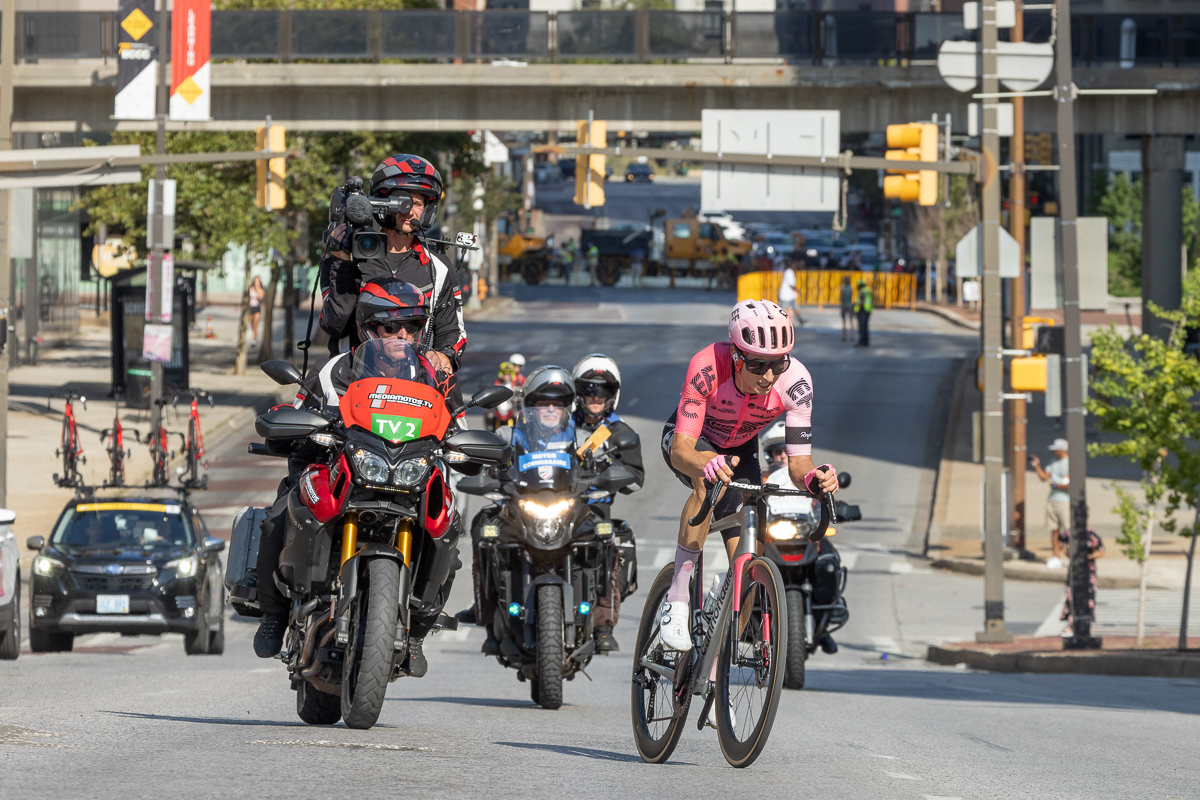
(184, 567)
(810, 252)
(552, 511)
(783, 529)
(411, 472)
(44, 565)
(369, 466)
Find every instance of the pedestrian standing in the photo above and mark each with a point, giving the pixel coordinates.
(1058, 505)
(257, 293)
(593, 261)
(788, 295)
(637, 264)
(863, 308)
(847, 298)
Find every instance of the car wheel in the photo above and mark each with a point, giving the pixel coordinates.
(216, 638)
(10, 633)
(195, 643)
(50, 641)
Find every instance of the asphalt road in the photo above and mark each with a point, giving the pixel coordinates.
(135, 717)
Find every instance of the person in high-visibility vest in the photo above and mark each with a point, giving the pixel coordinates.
(862, 309)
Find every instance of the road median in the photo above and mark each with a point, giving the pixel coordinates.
(1119, 656)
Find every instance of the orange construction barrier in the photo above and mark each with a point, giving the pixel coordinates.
(822, 287)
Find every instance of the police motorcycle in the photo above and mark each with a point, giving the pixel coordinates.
(544, 556)
(813, 576)
(371, 526)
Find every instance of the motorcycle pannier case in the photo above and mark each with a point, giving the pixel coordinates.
(243, 544)
(627, 558)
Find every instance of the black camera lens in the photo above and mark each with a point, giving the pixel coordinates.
(368, 245)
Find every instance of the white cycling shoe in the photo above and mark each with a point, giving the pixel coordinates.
(674, 625)
(712, 716)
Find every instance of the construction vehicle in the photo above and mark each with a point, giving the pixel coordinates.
(682, 247)
(521, 253)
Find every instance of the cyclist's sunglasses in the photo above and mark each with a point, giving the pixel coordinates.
(394, 326)
(759, 366)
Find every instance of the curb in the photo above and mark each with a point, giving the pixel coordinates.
(1147, 664)
(949, 316)
(1032, 571)
(496, 306)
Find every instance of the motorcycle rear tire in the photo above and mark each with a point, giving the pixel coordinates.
(369, 653)
(316, 707)
(797, 652)
(551, 650)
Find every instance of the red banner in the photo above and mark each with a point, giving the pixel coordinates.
(191, 25)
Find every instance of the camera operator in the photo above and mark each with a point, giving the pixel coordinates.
(406, 259)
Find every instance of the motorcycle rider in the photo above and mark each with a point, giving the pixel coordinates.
(391, 311)
(544, 424)
(510, 376)
(406, 259)
(597, 392)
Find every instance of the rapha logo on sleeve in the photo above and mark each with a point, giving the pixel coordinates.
(798, 436)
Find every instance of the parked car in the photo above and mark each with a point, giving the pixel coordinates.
(140, 565)
(773, 243)
(10, 589)
(639, 173)
(546, 172)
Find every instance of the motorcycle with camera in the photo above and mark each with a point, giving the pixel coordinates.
(813, 576)
(545, 555)
(371, 525)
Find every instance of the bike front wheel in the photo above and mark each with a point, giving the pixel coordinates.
(658, 717)
(750, 666)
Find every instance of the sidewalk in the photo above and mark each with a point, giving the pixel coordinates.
(84, 366)
(1158, 659)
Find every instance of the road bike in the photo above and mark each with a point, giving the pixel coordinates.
(739, 636)
(193, 446)
(69, 446)
(161, 452)
(117, 453)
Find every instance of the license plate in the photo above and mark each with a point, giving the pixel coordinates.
(112, 604)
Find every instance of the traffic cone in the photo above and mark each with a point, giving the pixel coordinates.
(209, 333)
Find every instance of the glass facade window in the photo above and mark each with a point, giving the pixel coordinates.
(58, 258)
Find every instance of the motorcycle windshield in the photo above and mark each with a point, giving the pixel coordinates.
(392, 393)
(543, 428)
(393, 359)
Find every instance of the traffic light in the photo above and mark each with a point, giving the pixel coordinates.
(271, 193)
(916, 141)
(1039, 149)
(589, 170)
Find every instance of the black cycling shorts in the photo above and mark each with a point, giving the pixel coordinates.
(748, 470)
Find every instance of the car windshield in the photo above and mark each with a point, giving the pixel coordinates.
(543, 427)
(389, 358)
(123, 526)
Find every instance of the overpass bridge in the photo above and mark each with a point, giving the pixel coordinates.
(640, 70)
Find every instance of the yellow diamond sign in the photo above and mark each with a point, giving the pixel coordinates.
(136, 24)
(189, 90)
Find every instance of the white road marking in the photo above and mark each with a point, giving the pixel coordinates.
(889, 758)
(1052, 625)
(352, 745)
(904, 776)
(264, 670)
(885, 644)
(900, 568)
(940, 797)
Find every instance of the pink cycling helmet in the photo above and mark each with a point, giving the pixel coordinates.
(761, 328)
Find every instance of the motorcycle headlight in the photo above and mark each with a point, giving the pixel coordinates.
(546, 530)
(184, 567)
(411, 472)
(783, 529)
(552, 511)
(369, 466)
(44, 565)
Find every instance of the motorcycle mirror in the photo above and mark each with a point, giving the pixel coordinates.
(843, 479)
(489, 396)
(626, 439)
(281, 372)
(847, 512)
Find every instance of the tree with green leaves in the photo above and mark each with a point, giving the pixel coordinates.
(1147, 392)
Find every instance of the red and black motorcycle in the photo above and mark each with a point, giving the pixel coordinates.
(371, 525)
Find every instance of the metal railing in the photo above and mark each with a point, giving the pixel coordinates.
(819, 37)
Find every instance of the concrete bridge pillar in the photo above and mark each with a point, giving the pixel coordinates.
(1162, 227)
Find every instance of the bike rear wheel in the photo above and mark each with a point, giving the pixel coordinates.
(658, 720)
(751, 666)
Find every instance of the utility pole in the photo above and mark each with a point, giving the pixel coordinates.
(1016, 226)
(1064, 96)
(993, 344)
(155, 272)
(8, 32)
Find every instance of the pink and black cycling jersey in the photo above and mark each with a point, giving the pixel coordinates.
(712, 406)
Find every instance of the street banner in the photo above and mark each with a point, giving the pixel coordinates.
(157, 341)
(137, 65)
(191, 85)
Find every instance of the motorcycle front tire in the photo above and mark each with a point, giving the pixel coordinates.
(551, 651)
(797, 651)
(369, 652)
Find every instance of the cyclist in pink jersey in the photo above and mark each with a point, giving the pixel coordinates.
(732, 391)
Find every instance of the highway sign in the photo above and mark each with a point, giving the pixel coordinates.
(968, 254)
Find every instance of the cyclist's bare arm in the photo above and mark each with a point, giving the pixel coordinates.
(690, 462)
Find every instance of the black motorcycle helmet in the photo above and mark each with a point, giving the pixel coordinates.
(385, 302)
(412, 175)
